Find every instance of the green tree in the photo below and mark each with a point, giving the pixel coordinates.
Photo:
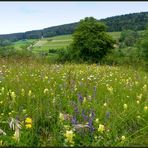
(128, 38)
(143, 45)
(90, 41)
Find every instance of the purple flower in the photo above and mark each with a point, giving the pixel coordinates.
(76, 110)
(84, 116)
(74, 120)
(80, 98)
(107, 116)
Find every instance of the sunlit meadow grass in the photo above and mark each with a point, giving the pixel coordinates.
(72, 105)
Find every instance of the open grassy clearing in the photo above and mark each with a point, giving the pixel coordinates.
(57, 42)
(56, 104)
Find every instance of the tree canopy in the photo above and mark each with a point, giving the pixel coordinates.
(90, 41)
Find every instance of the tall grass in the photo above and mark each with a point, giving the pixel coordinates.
(72, 104)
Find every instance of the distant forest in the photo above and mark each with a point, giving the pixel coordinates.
(134, 21)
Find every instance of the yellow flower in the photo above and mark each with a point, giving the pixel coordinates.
(1, 142)
(28, 120)
(46, 77)
(84, 100)
(145, 108)
(9, 113)
(105, 104)
(138, 101)
(61, 116)
(110, 89)
(22, 92)
(125, 106)
(97, 120)
(13, 95)
(145, 87)
(69, 136)
(46, 90)
(2, 90)
(123, 138)
(101, 128)
(29, 93)
(28, 125)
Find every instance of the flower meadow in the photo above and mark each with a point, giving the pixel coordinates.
(72, 105)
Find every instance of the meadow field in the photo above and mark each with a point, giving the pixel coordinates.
(45, 104)
(56, 43)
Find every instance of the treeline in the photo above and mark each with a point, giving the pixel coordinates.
(134, 21)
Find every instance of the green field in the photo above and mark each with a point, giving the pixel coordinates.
(72, 105)
(57, 42)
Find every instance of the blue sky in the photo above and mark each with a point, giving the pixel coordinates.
(26, 16)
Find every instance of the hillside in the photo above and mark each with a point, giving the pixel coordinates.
(55, 43)
(134, 21)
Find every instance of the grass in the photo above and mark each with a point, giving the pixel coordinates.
(57, 42)
(72, 104)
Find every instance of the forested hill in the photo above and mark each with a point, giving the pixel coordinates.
(134, 21)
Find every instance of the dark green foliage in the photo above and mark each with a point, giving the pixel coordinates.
(90, 41)
(128, 38)
(133, 21)
(5, 42)
(143, 45)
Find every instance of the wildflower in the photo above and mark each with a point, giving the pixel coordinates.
(13, 95)
(61, 116)
(123, 138)
(28, 120)
(24, 110)
(22, 92)
(84, 100)
(145, 87)
(145, 108)
(101, 128)
(46, 90)
(28, 125)
(125, 106)
(80, 98)
(138, 101)
(1, 143)
(2, 90)
(136, 82)
(29, 93)
(46, 77)
(69, 136)
(105, 104)
(110, 89)
(97, 120)
(9, 113)
(139, 97)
